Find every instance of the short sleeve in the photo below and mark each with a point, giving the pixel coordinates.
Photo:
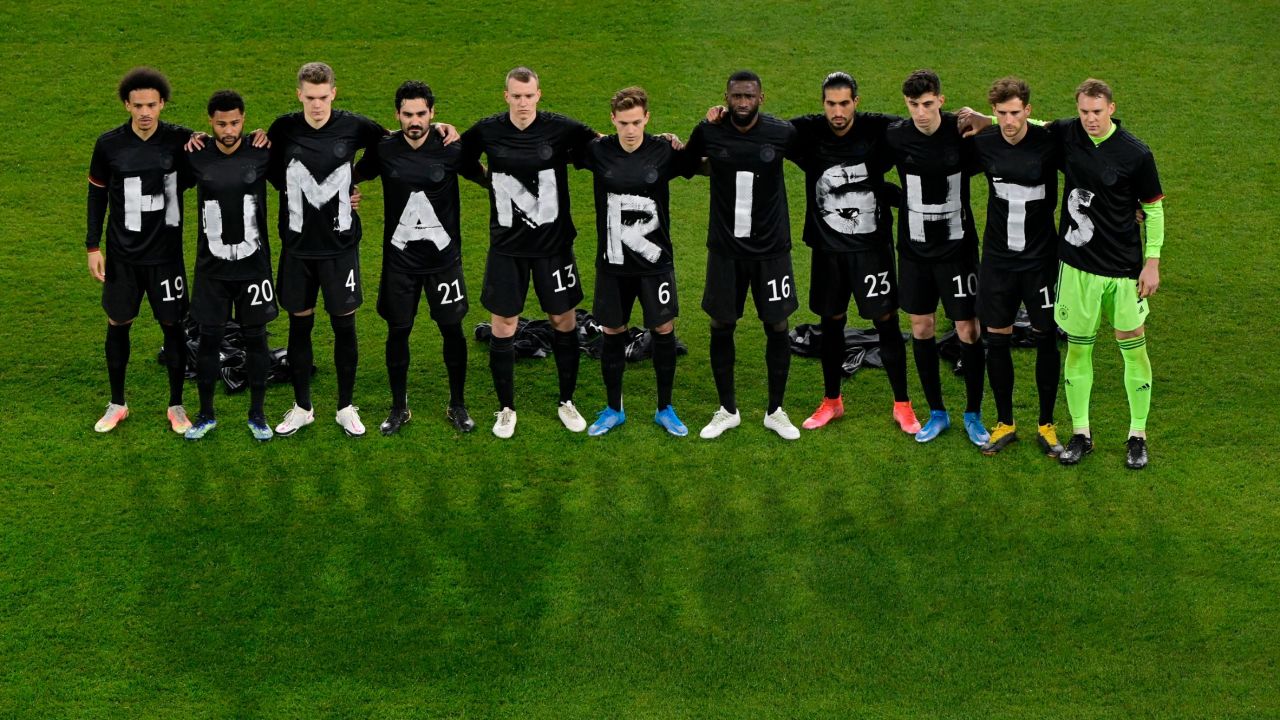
(370, 164)
(1146, 182)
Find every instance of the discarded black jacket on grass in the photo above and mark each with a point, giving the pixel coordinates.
(862, 347)
(533, 338)
(231, 355)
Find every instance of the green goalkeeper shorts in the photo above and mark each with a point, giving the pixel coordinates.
(1084, 299)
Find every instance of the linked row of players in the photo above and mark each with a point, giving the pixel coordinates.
(1094, 264)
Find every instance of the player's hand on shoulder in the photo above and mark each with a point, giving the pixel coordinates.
(97, 266)
(448, 132)
(258, 138)
(673, 139)
(970, 122)
(716, 113)
(196, 141)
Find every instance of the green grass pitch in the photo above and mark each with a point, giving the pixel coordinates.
(850, 574)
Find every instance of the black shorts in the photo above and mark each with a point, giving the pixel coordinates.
(1000, 292)
(770, 279)
(164, 285)
(446, 291)
(506, 283)
(615, 294)
(866, 276)
(955, 282)
(302, 279)
(254, 301)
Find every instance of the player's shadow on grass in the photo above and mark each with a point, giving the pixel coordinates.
(257, 585)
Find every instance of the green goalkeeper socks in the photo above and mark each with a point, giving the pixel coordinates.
(1137, 380)
(1077, 372)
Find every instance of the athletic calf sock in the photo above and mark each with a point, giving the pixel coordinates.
(175, 355)
(258, 365)
(455, 361)
(1077, 375)
(613, 362)
(1000, 374)
(208, 365)
(723, 357)
(832, 356)
(346, 356)
(925, 351)
(564, 345)
(664, 365)
(975, 361)
(502, 365)
(893, 354)
(777, 362)
(1048, 368)
(300, 358)
(117, 352)
(1137, 380)
(398, 365)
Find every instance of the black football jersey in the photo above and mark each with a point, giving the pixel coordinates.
(935, 221)
(748, 216)
(529, 181)
(231, 202)
(420, 219)
(144, 195)
(1022, 192)
(633, 202)
(312, 169)
(844, 182)
(1103, 188)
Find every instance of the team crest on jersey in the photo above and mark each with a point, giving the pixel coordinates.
(248, 176)
(436, 173)
(768, 153)
(340, 149)
(545, 151)
(651, 175)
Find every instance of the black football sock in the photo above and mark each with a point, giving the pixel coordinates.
(502, 365)
(926, 354)
(564, 345)
(455, 361)
(833, 347)
(257, 365)
(346, 356)
(664, 365)
(208, 365)
(722, 361)
(175, 356)
(974, 375)
(893, 354)
(1000, 374)
(117, 351)
(613, 362)
(1048, 367)
(777, 361)
(398, 365)
(300, 358)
